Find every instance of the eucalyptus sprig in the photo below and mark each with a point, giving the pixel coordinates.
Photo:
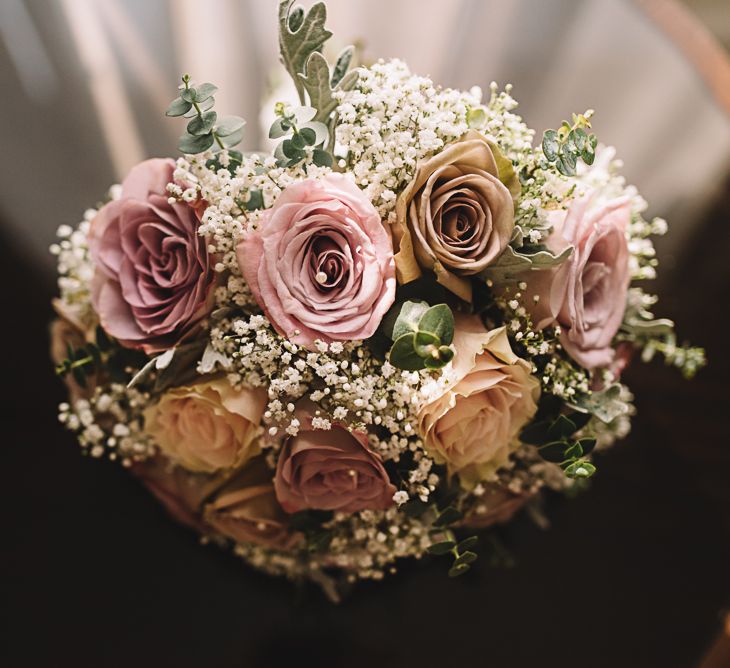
(554, 442)
(301, 134)
(569, 143)
(462, 551)
(421, 335)
(205, 129)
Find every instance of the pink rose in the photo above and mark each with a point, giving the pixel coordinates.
(321, 263)
(586, 295)
(331, 470)
(153, 274)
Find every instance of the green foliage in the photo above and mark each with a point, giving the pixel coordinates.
(556, 443)
(301, 134)
(516, 259)
(205, 129)
(301, 38)
(462, 552)
(421, 335)
(569, 143)
(605, 404)
(300, 35)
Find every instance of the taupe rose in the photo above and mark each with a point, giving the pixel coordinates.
(472, 425)
(246, 509)
(209, 426)
(456, 216)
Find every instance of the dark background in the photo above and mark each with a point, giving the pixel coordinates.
(633, 573)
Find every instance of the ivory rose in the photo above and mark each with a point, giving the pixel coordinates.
(321, 263)
(246, 509)
(586, 294)
(331, 470)
(456, 216)
(472, 424)
(209, 426)
(153, 278)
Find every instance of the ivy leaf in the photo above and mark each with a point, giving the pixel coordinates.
(299, 37)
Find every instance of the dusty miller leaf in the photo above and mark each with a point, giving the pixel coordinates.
(606, 405)
(296, 46)
(511, 263)
(317, 83)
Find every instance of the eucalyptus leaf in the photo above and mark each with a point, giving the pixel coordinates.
(467, 557)
(459, 569)
(229, 125)
(550, 145)
(203, 106)
(439, 320)
(178, 107)
(448, 516)
(192, 144)
(467, 544)
(205, 91)
(321, 158)
(403, 354)
(202, 125)
(407, 318)
(232, 139)
(442, 547)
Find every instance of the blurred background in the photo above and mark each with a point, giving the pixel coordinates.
(634, 573)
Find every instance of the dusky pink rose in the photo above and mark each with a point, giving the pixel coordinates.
(586, 294)
(496, 505)
(471, 424)
(209, 426)
(321, 263)
(331, 470)
(153, 278)
(246, 510)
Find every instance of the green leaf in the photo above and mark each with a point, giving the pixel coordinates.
(229, 125)
(587, 445)
(580, 469)
(606, 405)
(309, 136)
(658, 327)
(189, 95)
(321, 158)
(232, 139)
(320, 131)
(202, 125)
(553, 452)
(466, 558)
(562, 427)
(178, 107)
(574, 451)
(567, 163)
(205, 91)
(439, 321)
(448, 516)
(316, 81)
(511, 263)
(341, 64)
(405, 319)
(255, 200)
(459, 569)
(467, 544)
(425, 343)
(192, 144)
(403, 354)
(279, 128)
(442, 547)
(535, 434)
(550, 145)
(291, 150)
(299, 37)
(203, 106)
(445, 355)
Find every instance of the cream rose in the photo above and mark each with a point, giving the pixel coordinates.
(209, 426)
(456, 216)
(472, 425)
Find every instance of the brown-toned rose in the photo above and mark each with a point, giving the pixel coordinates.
(246, 509)
(456, 216)
(209, 426)
(472, 425)
(331, 469)
(180, 492)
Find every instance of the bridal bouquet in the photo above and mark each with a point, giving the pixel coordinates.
(393, 331)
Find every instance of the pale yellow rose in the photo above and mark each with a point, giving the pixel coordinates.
(209, 426)
(457, 214)
(472, 425)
